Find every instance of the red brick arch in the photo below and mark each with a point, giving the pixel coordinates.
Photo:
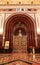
(29, 23)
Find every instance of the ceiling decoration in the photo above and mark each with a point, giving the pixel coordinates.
(8, 2)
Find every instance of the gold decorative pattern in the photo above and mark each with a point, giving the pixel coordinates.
(20, 43)
(19, 1)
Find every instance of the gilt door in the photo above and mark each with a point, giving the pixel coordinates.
(19, 42)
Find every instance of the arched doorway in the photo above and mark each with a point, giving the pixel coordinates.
(19, 37)
(20, 26)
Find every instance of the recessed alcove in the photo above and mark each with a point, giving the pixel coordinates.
(14, 24)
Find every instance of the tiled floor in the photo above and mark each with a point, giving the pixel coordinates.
(22, 56)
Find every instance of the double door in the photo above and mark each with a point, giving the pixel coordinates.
(19, 43)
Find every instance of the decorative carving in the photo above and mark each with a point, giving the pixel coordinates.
(20, 43)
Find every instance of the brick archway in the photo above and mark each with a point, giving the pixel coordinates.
(29, 23)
